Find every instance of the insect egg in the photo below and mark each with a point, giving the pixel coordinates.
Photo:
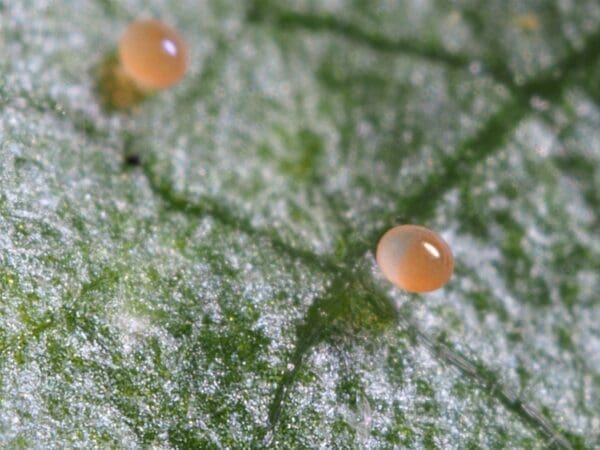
(152, 54)
(415, 258)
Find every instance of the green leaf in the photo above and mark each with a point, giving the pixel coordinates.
(224, 294)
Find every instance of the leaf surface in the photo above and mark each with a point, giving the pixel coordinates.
(224, 293)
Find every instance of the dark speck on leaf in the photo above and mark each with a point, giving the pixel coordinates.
(133, 160)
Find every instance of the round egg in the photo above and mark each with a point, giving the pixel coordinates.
(415, 258)
(152, 54)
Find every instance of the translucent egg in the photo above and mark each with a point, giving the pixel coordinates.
(153, 55)
(415, 258)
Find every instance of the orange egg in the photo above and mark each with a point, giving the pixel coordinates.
(153, 55)
(415, 258)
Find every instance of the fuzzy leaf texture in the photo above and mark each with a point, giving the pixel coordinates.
(224, 293)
